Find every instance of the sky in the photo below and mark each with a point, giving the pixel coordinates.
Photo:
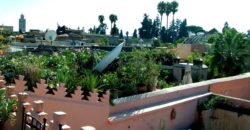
(45, 14)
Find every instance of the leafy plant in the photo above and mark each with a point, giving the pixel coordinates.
(163, 84)
(90, 81)
(213, 102)
(6, 106)
(230, 53)
(110, 81)
(194, 55)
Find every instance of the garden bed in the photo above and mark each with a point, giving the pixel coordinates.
(75, 68)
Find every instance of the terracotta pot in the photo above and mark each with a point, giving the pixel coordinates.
(153, 87)
(1, 124)
(141, 88)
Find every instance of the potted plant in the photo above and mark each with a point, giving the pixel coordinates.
(141, 75)
(6, 108)
(90, 82)
(111, 82)
(152, 73)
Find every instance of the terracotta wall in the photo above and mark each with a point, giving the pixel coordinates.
(98, 114)
(185, 116)
(169, 94)
(239, 88)
(79, 112)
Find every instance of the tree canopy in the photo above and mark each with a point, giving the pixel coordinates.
(195, 29)
(230, 52)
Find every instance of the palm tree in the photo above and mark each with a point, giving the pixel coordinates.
(229, 54)
(161, 7)
(168, 10)
(101, 18)
(113, 18)
(174, 8)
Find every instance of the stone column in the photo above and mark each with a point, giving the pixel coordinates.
(22, 101)
(59, 118)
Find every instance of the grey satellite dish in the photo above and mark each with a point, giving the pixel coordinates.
(109, 58)
(50, 36)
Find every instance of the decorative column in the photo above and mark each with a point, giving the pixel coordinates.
(59, 118)
(22, 102)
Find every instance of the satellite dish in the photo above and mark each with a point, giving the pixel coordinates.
(109, 58)
(50, 36)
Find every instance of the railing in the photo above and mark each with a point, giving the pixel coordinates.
(60, 126)
(32, 122)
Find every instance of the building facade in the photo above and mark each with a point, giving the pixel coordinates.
(6, 28)
(22, 24)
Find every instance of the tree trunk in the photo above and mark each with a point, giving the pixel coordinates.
(173, 19)
(167, 23)
(111, 28)
(161, 22)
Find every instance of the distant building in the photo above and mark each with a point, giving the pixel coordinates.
(6, 28)
(22, 24)
(185, 50)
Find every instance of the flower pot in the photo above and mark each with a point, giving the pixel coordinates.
(153, 86)
(142, 88)
(1, 124)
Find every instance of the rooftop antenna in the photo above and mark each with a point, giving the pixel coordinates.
(50, 36)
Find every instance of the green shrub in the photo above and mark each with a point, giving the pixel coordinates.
(6, 106)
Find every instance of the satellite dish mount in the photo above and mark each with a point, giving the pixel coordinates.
(50, 36)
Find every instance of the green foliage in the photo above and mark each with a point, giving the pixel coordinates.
(6, 106)
(114, 30)
(90, 81)
(110, 81)
(168, 10)
(174, 6)
(156, 43)
(102, 27)
(121, 35)
(229, 54)
(213, 102)
(183, 32)
(135, 33)
(161, 8)
(194, 55)
(195, 29)
(163, 84)
(176, 31)
(146, 30)
(102, 41)
(74, 69)
(156, 27)
(139, 67)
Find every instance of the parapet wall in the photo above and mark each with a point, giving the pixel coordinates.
(236, 86)
(145, 111)
(93, 111)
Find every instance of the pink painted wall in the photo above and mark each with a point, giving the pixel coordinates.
(158, 96)
(81, 113)
(239, 88)
(185, 116)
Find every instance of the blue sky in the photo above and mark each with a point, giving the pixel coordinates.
(43, 14)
